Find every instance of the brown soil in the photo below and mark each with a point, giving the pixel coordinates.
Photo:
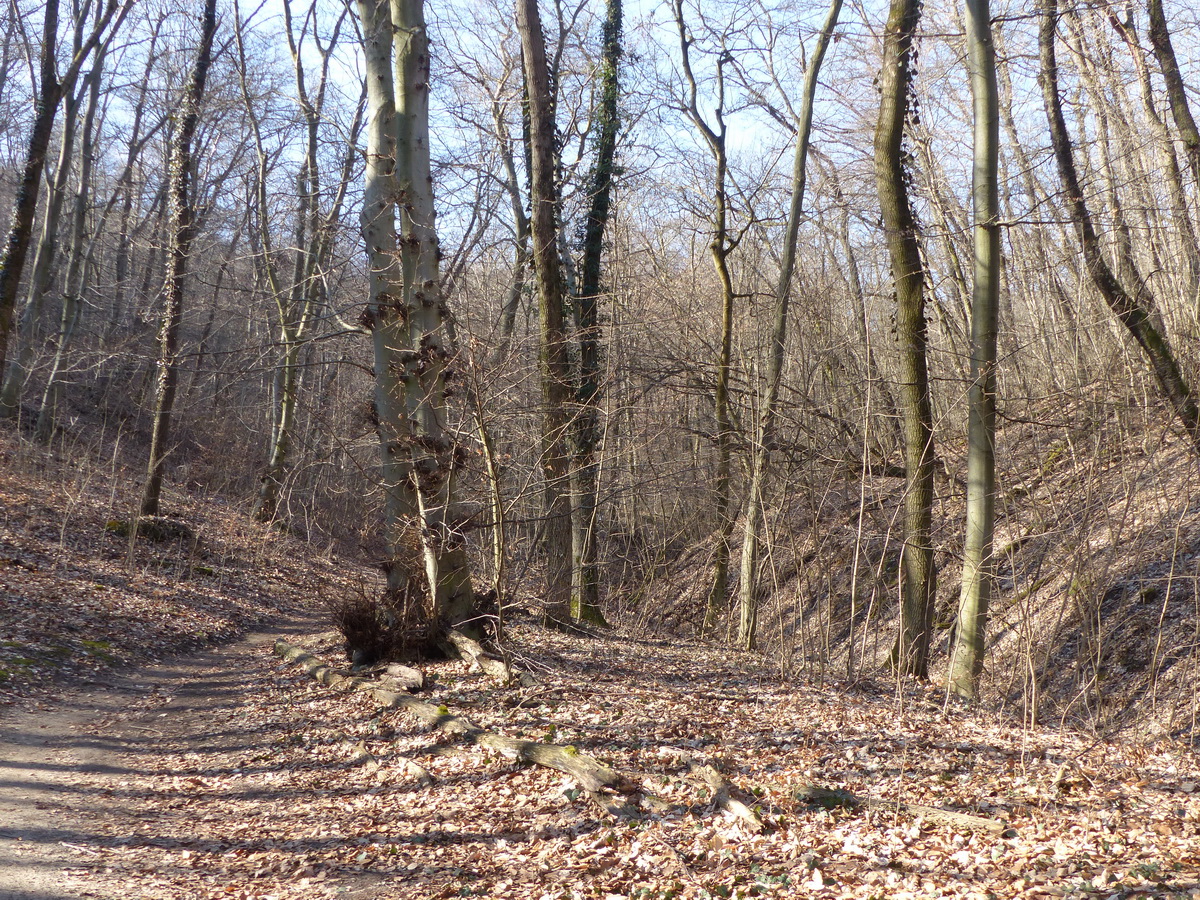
(67, 766)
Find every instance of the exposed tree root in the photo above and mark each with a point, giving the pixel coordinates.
(401, 676)
(472, 651)
(829, 798)
(614, 792)
(599, 781)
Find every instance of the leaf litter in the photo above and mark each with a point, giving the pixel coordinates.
(298, 790)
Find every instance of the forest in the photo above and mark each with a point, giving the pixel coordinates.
(701, 448)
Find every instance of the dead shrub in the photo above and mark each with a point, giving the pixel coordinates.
(392, 624)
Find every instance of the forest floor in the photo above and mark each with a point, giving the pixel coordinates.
(227, 772)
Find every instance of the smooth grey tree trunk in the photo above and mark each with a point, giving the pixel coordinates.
(435, 453)
(386, 287)
(521, 225)
(408, 317)
(967, 655)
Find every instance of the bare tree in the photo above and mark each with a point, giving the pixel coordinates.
(978, 563)
(585, 599)
(182, 231)
(553, 358)
(918, 574)
(51, 89)
(1181, 110)
(77, 253)
(408, 316)
(721, 246)
(297, 297)
(764, 436)
(1127, 307)
(42, 273)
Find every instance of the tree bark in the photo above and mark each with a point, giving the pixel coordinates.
(435, 454)
(966, 662)
(553, 361)
(917, 573)
(748, 584)
(408, 317)
(384, 308)
(182, 231)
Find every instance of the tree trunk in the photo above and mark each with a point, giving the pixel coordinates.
(917, 573)
(50, 92)
(721, 246)
(73, 287)
(966, 661)
(554, 365)
(1127, 308)
(585, 597)
(182, 232)
(748, 585)
(435, 454)
(385, 313)
(408, 317)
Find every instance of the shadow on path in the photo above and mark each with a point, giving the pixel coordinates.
(62, 765)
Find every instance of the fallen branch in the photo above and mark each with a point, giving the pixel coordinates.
(597, 779)
(830, 798)
(723, 795)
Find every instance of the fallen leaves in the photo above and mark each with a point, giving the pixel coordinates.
(374, 799)
(76, 603)
(279, 787)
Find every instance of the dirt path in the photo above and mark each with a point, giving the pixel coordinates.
(65, 767)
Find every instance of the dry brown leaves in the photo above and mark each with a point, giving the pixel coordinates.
(304, 812)
(74, 602)
(271, 795)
